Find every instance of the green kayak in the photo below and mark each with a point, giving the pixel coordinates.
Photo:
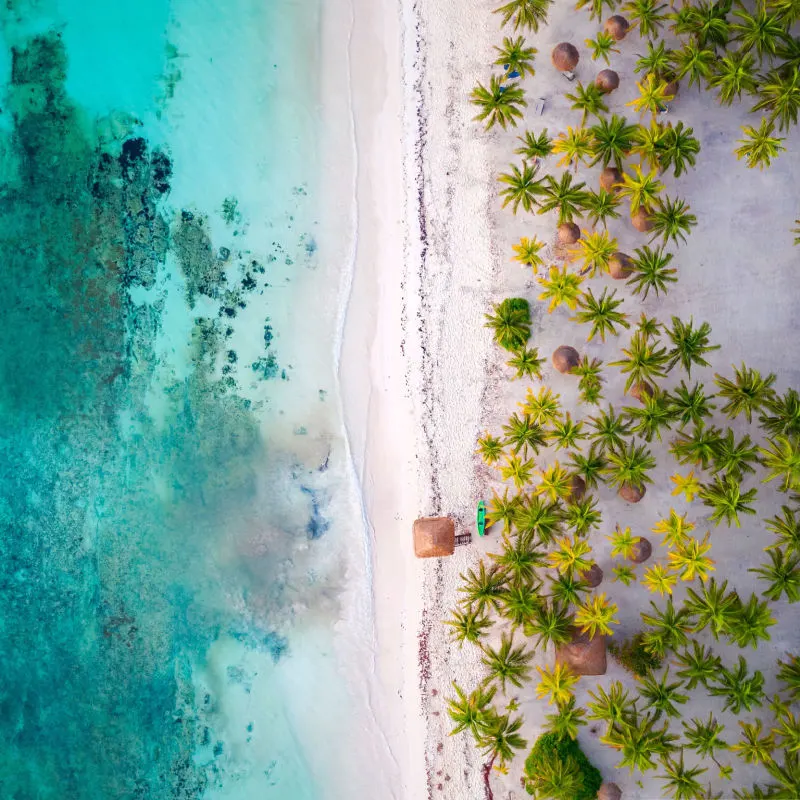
(481, 520)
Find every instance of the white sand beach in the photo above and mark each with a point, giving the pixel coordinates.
(422, 378)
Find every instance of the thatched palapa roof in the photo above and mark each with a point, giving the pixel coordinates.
(583, 654)
(609, 791)
(434, 536)
(565, 57)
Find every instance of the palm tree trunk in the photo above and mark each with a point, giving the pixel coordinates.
(487, 772)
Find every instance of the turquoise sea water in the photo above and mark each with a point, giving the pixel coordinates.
(171, 469)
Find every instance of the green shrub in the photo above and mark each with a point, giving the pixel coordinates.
(511, 323)
(633, 657)
(552, 753)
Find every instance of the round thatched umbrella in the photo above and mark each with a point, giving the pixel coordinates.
(617, 26)
(583, 654)
(641, 390)
(568, 233)
(641, 550)
(609, 178)
(631, 493)
(609, 791)
(434, 536)
(565, 57)
(592, 577)
(642, 220)
(566, 358)
(577, 489)
(620, 266)
(607, 80)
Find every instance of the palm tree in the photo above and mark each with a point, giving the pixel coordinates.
(526, 363)
(490, 448)
(780, 96)
(567, 588)
(782, 459)
(787, 775)
(482, 589)
(524, 434)
(739, 689)
(572, 556)
(508, 664)
(734, 458)
(689, 344)
(613, 706)
(595, 249)
(610, 429)
(624, 573)
(668, 629)
(582, 515)
(517, 471)
(759, 146)
(543, 407)
(644, 361)
(623, 542)
(648, 144)
(536, 516)
(698, 447)
(712, 607)
(678, 148)
(672, 219)
(654, 414)
(691, 405)
(499, 738)
(687, 485)
(471, 712)
(727, 500)
(588, 100)
(656, 62)
(733, 74)
(556, 482)
(525, 13)
(601, 206)
(694, 61)
(706, 22)
(646, 15)
(752, 622)
(590, 384)
(566, 723)
(700, 666)
(535, 147)
(575, 145)
(502, 509)
(705, 736)
(527, 253)
(639, 741)
(559, 778)
(500, 104)
(653, 95)
(613, 140)
(602, 313)
(641, 189)
(690, 560)
(519, 603)
(659, 578)
(629, 467)
(596, 616)
(748, 392)
(783, 574)
(681, 781)
(753, 748)
(566, 432)
(519, 558)
(660, 695)
(551, 624)
(561, 288)
(596, 7)
(782, 414)
(602, 46)
(514, 56)
(468, 626)
(521, 187)
(789, 675)
(510, 324)
(567, 197)
(556, 683)
(675, 529)
(651, 270)
(787, 528)
(759, 31)
(589, 466)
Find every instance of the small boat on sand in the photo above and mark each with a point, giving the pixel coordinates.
(481, 518)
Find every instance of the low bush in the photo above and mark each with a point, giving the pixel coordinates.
(633, 657)
(553, 754)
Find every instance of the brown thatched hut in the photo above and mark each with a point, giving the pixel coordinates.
(620, 266)
(617, 26)
(609, 791)
(566, 358)
(631, 493)
(565, 57)
(607, 80)
(568, 233)
(609, 178)
(583, 654)
(434, 537)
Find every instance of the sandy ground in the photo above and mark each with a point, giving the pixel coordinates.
(422, 378)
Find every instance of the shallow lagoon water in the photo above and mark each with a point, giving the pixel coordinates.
(180, 532)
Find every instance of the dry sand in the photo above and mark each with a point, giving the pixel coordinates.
(422, 378)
